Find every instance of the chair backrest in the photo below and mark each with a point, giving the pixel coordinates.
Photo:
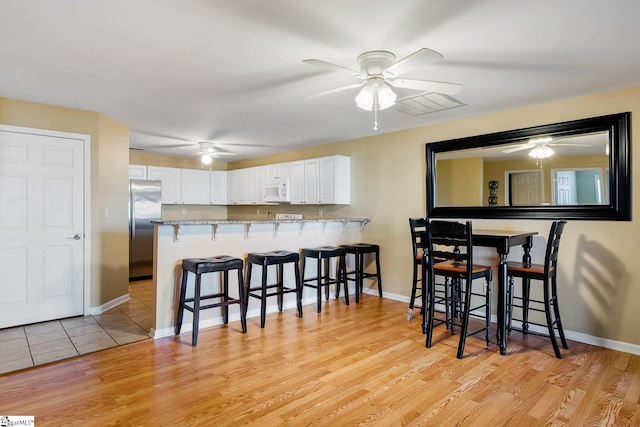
(451, 241)
(418, 235)
(553, 246)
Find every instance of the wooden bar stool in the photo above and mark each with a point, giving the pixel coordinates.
(265, 290)
(323, 255)
(359, 250)
(199, 266)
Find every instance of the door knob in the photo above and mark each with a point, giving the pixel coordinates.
(75, 237)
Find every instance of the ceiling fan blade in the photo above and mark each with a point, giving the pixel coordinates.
(569, 145)
(518, 148)
(417, 59)
(427, 86)
(334, 67)
(338, 89)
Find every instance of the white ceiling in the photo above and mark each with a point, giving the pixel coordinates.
(231, 71)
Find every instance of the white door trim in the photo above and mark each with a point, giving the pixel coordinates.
(86, 139)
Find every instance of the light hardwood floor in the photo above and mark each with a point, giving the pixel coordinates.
(358, 365)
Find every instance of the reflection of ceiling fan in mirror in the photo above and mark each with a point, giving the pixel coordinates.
(378, 72)
(207, 150)
(540, 147)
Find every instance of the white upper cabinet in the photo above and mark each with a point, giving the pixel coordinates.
(171, 183)
(277, 171)
(324, 180)
(218, 185)
(196, 187)
(335, 180)
(137, 172)
(235, 187)
(305, 182)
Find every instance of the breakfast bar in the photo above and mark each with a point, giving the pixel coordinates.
(177, 240)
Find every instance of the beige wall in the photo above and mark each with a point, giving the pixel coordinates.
(109, 186)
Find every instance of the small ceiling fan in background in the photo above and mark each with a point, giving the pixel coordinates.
(378, 72)
(206, 150)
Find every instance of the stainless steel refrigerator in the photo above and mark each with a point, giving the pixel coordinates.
(144, 207)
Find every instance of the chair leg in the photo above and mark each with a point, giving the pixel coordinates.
(465, 318)
(196, 311)
(429, 317)
(225, 291)
(280, 282)
(319, 284)
(263, 299)
(183, 291)
(247, 284)
(526, 293)
(341, 274)
(298, 285)
(327, 274)
(356, 275)
(547, 312)
(488, 312)
(509, 305)
(414, 288)
(378, 276)
(556, 309)
(243, 307)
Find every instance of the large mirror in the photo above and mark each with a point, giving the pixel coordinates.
(572, 170)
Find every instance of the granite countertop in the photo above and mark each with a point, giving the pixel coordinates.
(257, 221)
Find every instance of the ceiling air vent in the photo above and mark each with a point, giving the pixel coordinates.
(426, 103)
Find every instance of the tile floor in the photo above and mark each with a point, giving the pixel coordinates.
(25, 346)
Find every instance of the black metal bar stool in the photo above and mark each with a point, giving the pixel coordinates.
(359, 250)
(199, 266)
(323, 255)
(265, 290)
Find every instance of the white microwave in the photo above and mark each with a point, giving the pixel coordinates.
(276, 190)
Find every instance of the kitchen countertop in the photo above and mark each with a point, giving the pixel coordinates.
(257, 221)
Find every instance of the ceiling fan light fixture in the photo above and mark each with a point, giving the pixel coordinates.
(375, 89)
(365, 97)
(206, 158)
(541, 152)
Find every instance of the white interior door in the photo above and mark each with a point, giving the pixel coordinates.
(526, 189)
(41, 227)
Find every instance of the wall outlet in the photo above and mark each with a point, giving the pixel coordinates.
(184, 211)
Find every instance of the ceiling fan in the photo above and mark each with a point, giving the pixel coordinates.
(208, 151)
(378, 71)
(540, 147)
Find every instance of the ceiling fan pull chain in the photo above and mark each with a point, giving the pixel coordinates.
(375, 110)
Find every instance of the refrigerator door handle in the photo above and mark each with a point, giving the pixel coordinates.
(132, 219)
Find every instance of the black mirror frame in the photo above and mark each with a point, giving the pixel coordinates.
(619, 208)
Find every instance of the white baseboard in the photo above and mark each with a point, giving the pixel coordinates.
(109, 305)
(571, 335)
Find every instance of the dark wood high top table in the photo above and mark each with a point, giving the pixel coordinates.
(503, 241)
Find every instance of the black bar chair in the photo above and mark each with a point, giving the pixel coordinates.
(418, 227)
(199, 266)
(265, 290)
(546, 274)
(451, 244)
(359, 250)
(323, 255)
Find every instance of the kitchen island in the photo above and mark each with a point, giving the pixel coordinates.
(176, 240)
